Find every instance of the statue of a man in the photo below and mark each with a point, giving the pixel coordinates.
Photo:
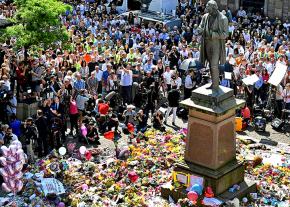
(214, 30)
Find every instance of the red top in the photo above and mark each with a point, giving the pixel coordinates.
(246, 113)
(103, 108)
(265, 77)
(73, 109)
(21, 79)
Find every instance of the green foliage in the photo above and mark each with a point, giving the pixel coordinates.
(37, 23)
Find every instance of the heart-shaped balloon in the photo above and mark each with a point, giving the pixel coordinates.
(133, 176)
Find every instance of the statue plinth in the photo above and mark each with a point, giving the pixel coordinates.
(211, 140)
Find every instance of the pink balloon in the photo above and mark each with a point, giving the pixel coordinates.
(192, 195)
(18, 166)
(19, 185)
(3, 172)
(12, 184)
(6, 188)
(17, 143)
(10, 170)
(18, 175)
(3, 161)
(11, 159)
(84, 131)
(5, 151)
(13, 149)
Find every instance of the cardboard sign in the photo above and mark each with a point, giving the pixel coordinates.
(250, 80)
(228, 76)
(278, 74)
(52, 186)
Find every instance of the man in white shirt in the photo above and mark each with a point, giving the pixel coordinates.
(99, 77)
(126, 84)
(189, 84)
(167, 77)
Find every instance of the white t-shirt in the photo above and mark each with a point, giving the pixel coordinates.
(167, 77)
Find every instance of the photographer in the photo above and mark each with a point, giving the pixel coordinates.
(30, 134)
(129, 114)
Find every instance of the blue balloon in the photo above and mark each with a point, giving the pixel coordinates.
(197, 188)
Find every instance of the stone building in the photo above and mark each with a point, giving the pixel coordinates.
(271, 8)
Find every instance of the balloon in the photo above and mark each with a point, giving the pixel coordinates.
(6, 188)
(84, 130)
(109, 135)
(17, 143)
(3, 161)
(11, 183)
(133, 176)
(10, 170)
(19, 185)
(83, 150)
(18, 166)
(61, 204)
(192, 195)
(196, 188)
(62, 151)
(13, 149)
(18, 175)
(5, 151)
(11, 159)
(88, 155)
(3, 172)
(245, 199)
(130, 127)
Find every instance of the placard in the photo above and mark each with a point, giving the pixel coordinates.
(228, 76)
(278, 74)
(193, 179)
(181, 178)
(52, 186)
(251, 80)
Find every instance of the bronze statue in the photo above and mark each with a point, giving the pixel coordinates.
(214, 31)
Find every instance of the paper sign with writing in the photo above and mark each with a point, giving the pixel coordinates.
(52, 186)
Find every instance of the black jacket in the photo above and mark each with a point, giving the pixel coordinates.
(173, 98)
(42, 126)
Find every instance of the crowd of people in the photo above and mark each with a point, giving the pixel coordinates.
(118, 71)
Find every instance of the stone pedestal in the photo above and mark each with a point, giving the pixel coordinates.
(211, 140)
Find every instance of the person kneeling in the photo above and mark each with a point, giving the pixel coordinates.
(92, 134)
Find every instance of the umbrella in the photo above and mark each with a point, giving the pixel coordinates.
(191, 64)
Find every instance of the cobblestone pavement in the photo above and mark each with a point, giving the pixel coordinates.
(269, 134)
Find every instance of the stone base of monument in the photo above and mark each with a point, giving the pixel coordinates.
(210, 154)
(219, 180)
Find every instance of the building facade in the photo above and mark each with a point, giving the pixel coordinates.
(271, 8)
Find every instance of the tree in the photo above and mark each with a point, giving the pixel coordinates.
(37, 23)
